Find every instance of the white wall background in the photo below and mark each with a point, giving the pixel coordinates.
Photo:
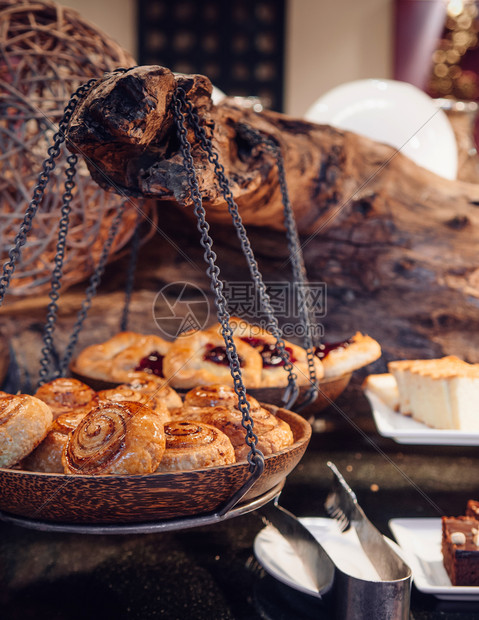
(327, 42)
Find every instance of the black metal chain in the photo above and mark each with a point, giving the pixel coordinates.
(255, 456)
(52, 311)
(292, 390)
(305, 305)
(90, 292)
(47, 167)
(130, 274)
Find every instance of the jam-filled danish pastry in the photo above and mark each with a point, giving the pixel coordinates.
(115, 438)
(96, 360)
(273, 373)
(47, 457)
(24, 422)
(200, 359)
(195, 445)
(146, 355)
(339, 358)
(64, 395)
(122, 354)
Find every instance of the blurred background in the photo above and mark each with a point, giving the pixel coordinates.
(290, 52)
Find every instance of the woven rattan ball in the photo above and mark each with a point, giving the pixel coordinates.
(47, 52)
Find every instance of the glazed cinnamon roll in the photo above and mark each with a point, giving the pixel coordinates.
(195, 445)
(66, 395)
(47, 457)
(211, 396)
(24, 422)
(115, 438)
(200, 359)
(273, 433)
(123, 393)
(151, 384)
(273, 373)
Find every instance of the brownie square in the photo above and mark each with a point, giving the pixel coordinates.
(460, 550)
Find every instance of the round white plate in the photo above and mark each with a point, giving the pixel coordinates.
(394, 113)
(277, 557)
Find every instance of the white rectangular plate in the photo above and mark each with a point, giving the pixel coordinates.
(404, 429)
(420, 542)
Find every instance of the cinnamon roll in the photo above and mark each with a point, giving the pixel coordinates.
(24, 422)
(115, 438)
(273, 373)
(201, 397)
(200, 359)
(273, 433)
(123, 392)
(47, 457)
(66, 395)
(195, 445)
(151, 384)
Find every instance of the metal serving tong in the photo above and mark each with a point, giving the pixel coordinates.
(349, 597)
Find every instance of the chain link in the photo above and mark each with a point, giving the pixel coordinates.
(14, 255)
(130, 275)
(255, 456)
(305, 304)
(90, 292)
(292, 390)
(52, 311)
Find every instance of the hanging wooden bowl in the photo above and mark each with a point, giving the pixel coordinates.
(329, 390)
(65, 498)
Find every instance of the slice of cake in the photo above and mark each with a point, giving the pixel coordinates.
(441, 393)
(460, 550)
(405, 372)
(385, 387)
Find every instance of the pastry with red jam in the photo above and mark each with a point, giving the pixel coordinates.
(120, 356)
(273, 373)
(200, 359)
(340, 358)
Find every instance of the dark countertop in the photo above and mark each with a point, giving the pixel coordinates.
(210, 572)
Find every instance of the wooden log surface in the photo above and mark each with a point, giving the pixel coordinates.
(395, 244)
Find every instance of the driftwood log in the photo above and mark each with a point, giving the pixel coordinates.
(395, 244)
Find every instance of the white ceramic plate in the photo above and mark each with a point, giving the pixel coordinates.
(278, 558)
(420, 542)
(395, 113)
(404, 429)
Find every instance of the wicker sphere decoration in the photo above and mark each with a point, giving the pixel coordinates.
(46, 53)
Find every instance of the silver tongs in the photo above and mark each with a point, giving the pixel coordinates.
(351, 598)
